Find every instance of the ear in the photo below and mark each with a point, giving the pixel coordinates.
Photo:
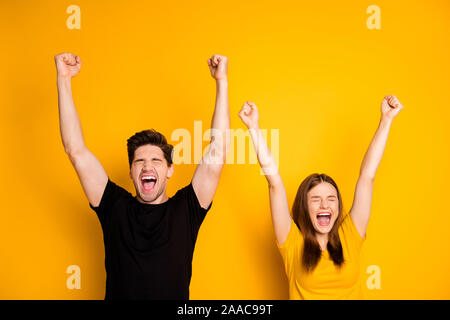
(170, 171)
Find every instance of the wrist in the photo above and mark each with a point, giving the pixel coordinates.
(253, 127)
(222, 81)
(64, 79)
(385, 121)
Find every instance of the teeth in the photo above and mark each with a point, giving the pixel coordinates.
(324, 215)
(148, 178)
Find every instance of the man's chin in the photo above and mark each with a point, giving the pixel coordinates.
(150, 197)
(146, 198)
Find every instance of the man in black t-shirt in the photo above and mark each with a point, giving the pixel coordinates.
(149, 239)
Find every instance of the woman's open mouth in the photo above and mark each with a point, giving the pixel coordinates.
(324, 218)
(148, 182)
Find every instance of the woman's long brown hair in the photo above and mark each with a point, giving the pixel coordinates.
(311, 248)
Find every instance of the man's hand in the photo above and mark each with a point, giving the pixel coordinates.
(218, 66)
(67, 65)
(207, 175)
(249, 115)
(90, 172)
(390, 107)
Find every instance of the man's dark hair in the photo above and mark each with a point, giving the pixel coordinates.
(151, 137)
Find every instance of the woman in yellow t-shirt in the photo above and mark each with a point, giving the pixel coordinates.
(320, 245)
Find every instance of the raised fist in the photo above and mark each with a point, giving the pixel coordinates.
(67, 65)
(249, 115)
(390, 107)
(218, 66)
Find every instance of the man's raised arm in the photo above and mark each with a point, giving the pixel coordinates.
(207, 175)
(92, 176)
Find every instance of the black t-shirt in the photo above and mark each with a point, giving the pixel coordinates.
(148, 247)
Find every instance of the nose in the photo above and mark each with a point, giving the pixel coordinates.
(323, 204)
(147, 166)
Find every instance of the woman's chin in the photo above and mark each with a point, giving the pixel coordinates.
(323, 229)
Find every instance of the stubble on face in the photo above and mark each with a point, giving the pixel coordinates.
(149, 172)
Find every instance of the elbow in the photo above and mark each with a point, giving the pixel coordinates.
(274, 182)
(69, 151)
(217, 155)
(73, 153)
(215, 170)
(367, 176)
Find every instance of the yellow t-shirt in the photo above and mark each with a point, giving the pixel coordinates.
(326, 281)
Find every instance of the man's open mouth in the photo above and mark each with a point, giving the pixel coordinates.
(148, 182)
(323, 218)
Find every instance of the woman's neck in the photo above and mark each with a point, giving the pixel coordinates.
(322, 238)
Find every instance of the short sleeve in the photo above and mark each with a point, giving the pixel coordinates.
(350, 231)
(196, 212)
(290, 250)
(111, 195)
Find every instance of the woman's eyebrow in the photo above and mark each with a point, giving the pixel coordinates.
(318, 197)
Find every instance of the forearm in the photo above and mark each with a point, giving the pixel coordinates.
(279, 207)
(220, 124)
(375, 152)
(265, 158)
(70, 126)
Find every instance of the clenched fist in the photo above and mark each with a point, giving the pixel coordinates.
(67, 65)
(218, 66)
(390, 107)
(249, 115)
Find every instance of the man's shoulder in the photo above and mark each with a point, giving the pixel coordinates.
(114, 192)
(182, 192)
(117, 188)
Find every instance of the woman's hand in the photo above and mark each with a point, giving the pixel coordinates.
(249, 115)
(390, 107)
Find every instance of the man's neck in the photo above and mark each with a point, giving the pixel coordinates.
(161, 199)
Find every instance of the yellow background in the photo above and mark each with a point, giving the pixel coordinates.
(316, 72)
